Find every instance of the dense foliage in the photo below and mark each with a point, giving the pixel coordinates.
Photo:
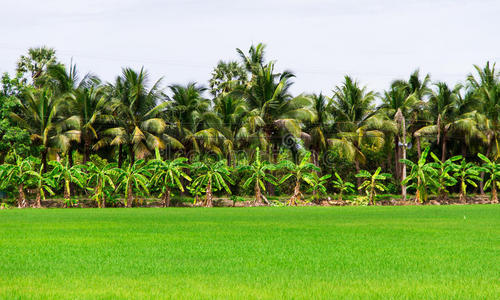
(68, 135)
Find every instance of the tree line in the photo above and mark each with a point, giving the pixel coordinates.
(60, 131)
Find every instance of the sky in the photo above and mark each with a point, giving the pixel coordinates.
(320, 41)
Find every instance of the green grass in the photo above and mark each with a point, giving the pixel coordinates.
(417, 252)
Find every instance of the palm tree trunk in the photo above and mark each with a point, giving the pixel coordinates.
(443, 146)
(120, 155)
(419, 150)
(396, 157)
(403, 156)
(21, 200)
(70, 157)
(358, 179)
(131, 153)
(44, 160)
(86, 149)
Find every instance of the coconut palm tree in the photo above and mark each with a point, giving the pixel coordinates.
(134, 176)
(260, 172)
(39, 116)
(211, 177)
(186, 115)
(168, 174)
(299, 171)
(443, 106)
(88, 110)
(254, 59)
(273, 112)
(316, 133)
(485, 88)
(137, 124)
(356, 122)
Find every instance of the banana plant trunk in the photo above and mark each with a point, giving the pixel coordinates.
(258, 193)
(166, 197)
(494, 196)
(67, 191)
(372, 194)
(463, 198)
(209, 196)
(21, 200)
(481, 183)
(38, 202)
(296, 194)
(130, 197)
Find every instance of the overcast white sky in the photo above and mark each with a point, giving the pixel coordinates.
(320, 40)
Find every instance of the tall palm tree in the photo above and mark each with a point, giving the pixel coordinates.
(486, 88)
(317, 131)
(443, 106)
(229, 116)
(187, 114)
(39, 115)
(356, 122)
(88, 110)
(135, 108)
(274, 113)
(254, 59)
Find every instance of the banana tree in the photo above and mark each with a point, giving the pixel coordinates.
(102, 178)
(211, 177)
(17, 174)
(297, 171)
(422, 176)
(260, 171)
(133, 176)
(444, 178)
(43, 183)
(493, 170)
(372, 183)
(466, 173)
(168, 175)
(342, 186)
(67, 174)
(317, 184)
